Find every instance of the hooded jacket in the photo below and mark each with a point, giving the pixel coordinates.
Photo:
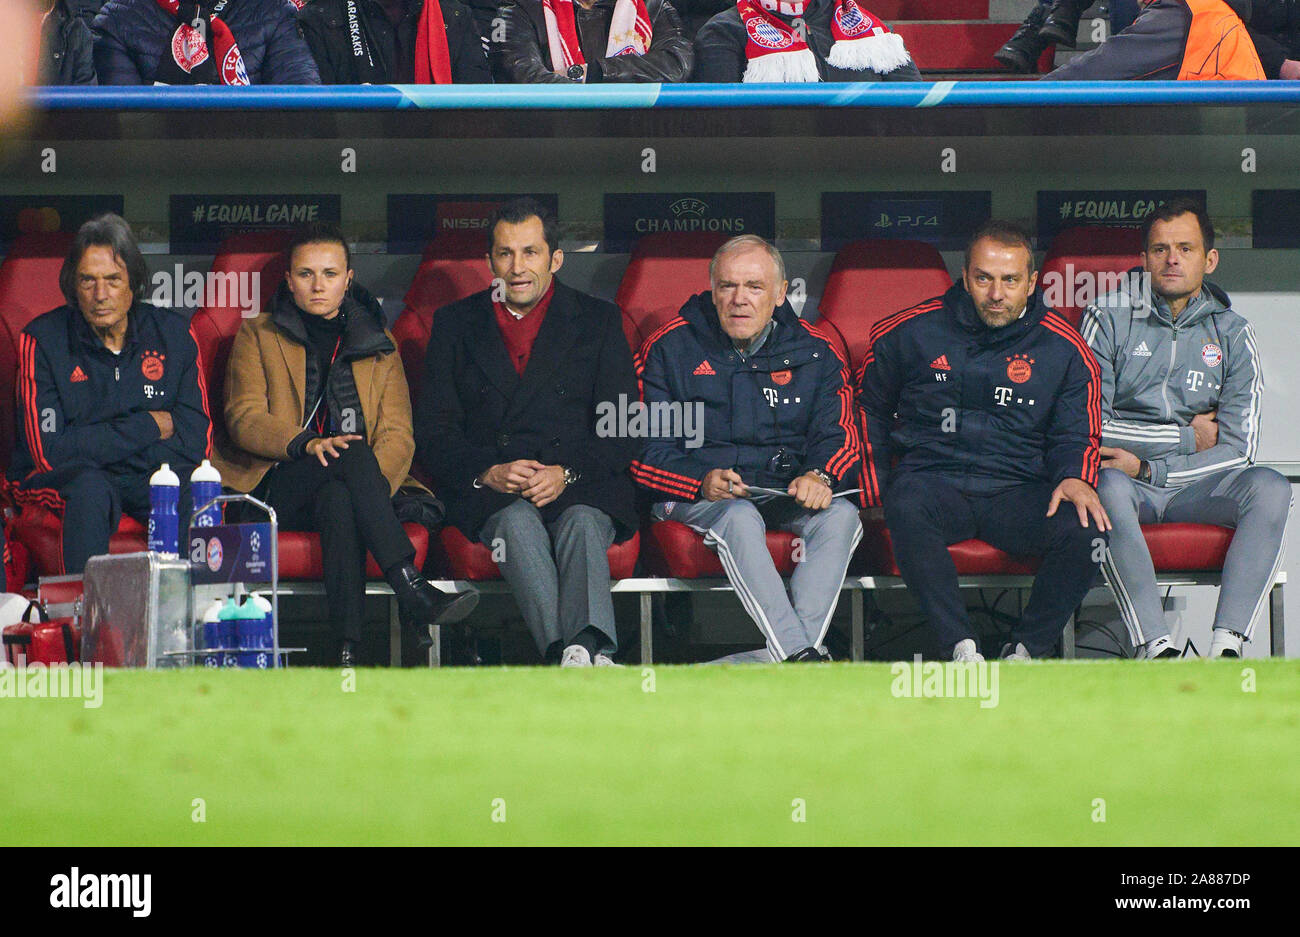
(987, 409)
(82, 406)
(1157, 374)
(782, 411)
(326, 27)
(525, 56)
(131, 37)
(269, 395)
(67, 48)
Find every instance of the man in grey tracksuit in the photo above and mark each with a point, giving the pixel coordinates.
(1181, 389)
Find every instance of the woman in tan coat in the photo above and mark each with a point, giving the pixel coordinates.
(319, 423)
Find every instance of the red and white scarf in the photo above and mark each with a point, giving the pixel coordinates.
(777, 52)
(188, 58)
(629, 32)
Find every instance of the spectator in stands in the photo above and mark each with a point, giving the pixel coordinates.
(241, 42)
(396, 42)
(563, 41)
(319, 423)
(1187, 40)
(67, 48)
(514, 380)
(989, 403)
(800, 40)
(1056, 22)
(109, 389)
(1275, 28)
(1176, 349)
(775, 409)
(695, 13)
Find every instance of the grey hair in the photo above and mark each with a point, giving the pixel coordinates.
(745, 242)
(109, 231)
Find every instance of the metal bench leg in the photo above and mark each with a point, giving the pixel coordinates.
(647, 628)
(1276, 625)
(857, 638)
(394, 633)
(435, 649)
(1067, 637)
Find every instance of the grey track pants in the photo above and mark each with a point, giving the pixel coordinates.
(1254, 500)
(559, 572)
(736, 530)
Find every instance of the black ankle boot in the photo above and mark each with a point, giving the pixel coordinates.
(1062, 26)
(1022, 51)
(422, 604)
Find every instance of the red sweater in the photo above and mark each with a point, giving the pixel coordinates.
(519, 334)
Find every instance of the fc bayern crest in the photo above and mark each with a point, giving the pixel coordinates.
(851, 20)
(188, 48)
(768, 36)
(232, 68)
(1211, 354)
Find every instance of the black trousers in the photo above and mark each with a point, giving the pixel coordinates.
(94, 502)
(347, 503)
(926, 513)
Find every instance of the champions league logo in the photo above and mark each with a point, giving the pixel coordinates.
(768, 36)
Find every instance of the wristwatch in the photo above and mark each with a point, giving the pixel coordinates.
(570, 476)
(825, 478)
(576, 73)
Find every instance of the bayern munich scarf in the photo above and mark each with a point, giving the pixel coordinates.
(432, 60)
(777, 52)
(189, 59)
(629, 32)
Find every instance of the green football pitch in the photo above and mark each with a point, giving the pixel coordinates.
(1102, 753)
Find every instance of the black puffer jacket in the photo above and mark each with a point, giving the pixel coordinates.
(720, 48)
(1275, 28)
(525, 56)
(67, 48)
(131, 37)
(325, 26)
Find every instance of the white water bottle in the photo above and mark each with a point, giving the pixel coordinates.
(211, 633)
(205, 484)
(164, 496)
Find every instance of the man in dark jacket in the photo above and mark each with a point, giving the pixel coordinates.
(514, 380)
(794, 40)
(67, 48)
(1185, 40)
(991, 404)
(145, 42)
(388, 48)
(576, 45)
(109, 389)
(771, 407)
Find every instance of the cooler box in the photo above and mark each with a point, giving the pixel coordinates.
(137, 611)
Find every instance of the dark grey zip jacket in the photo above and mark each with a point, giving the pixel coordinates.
(1157, 374)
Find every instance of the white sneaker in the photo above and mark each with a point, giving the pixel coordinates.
(965, 652)
(1015, 653)
(1226, 643)
(575, 655)
(1161, 648)
(604, 660)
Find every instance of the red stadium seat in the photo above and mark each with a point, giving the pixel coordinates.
(674, 550)
(664, 271)
(1089, 251)
(448, 272)
(875, 278)
(41, 530)
(458, 557)
(29, 287)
